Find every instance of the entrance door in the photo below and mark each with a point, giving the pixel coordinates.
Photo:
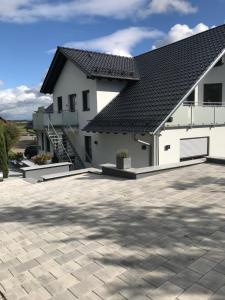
(194, 148)
(88, 148)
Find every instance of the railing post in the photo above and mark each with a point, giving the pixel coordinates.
(214, 112)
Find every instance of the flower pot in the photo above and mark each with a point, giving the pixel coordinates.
(123, 163)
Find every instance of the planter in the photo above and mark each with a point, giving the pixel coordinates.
(123, 163)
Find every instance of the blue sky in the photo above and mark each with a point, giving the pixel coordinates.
(30, 29)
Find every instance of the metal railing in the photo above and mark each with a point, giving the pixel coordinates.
(64, 118)
(198, 114)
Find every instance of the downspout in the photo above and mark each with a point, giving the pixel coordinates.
(147, 144)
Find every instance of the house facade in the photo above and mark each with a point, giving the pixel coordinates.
(164, 106)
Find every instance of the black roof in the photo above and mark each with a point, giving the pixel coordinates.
(93, 64)
(167, 74)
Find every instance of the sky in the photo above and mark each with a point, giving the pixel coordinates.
(30, 31)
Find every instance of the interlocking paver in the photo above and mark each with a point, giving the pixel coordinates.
(97, 237)
(196, 292)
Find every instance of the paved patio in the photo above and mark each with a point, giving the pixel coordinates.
(94, 237)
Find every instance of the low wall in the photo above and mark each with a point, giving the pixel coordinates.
(38, 171)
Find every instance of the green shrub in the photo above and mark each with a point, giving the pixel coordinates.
(3, 153)
(123, 153)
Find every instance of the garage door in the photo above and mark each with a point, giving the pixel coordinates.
(193, 148)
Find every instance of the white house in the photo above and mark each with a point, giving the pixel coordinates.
(164, 106)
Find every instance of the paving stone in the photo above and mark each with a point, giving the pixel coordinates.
(219, 295)
(24, 266)
(159, 276)
(202, 265)
(186, 278)
(64, 295)
(85, 286)
(167, 291)
(196, 292)
(84, 272)
(212, 280)
(68, 257)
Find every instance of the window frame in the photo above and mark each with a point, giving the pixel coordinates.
(86, 100)
(206, 98)
(58, 106)
(72, 99)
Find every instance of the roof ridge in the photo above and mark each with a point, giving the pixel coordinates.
(179, 41)
(96, 52)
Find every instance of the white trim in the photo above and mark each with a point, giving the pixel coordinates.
(190, 91)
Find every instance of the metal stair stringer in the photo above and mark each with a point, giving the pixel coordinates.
(77, 161)
(57, 144)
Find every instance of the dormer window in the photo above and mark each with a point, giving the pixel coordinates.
(86, 100)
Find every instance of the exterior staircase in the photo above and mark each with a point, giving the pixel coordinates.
(63, 148)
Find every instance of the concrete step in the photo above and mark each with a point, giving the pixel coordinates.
(70, 173)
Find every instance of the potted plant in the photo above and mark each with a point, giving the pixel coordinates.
(42, 159)
(123, 161)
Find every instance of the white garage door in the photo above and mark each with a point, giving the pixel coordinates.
(190, 148)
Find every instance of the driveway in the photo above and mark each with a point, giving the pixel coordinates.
(95, 237)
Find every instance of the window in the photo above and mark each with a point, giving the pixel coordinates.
(42, 141)
(59, 103)
(213, 93)
(190, 99)
(88, 149)
(72, 102)
(86, 101)
(48, 149)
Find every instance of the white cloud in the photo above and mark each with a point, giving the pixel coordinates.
(165, 6)
(22, 11)
(179, 32)
(20, 102)
(120, 42)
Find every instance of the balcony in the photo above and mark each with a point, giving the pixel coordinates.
(208, 114)
(64, 119)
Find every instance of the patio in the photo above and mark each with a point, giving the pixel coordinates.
(97, 237)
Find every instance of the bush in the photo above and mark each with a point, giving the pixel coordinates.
(123, 153)
(41, 159)
(3, 153)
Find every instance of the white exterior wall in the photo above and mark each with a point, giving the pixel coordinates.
(73, 81)
(172, 137)
(109, 144)
(216, 75)
(106, 91)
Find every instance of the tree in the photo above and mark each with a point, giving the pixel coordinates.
(12, 135)
(3, 153)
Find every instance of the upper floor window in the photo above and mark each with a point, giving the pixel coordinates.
(213, 93)
(86, 100)
(59, 104)
(190, 99)
(72, 102)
